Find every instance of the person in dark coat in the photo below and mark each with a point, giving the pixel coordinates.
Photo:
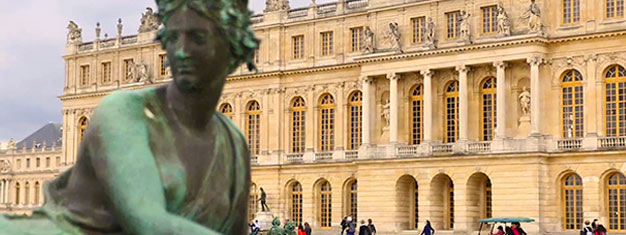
(307, 228)
(364, 229)
(344, 224)
(428, 229)
(515, 229)
(371, 226)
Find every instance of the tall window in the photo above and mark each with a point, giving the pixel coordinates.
(355, 107)
(488, 199)
(106, 72)
(128, 69)
(572, 191)
(296, 203)
(27, 162)
(357, 39)
(84, 75)
(227, 110)
(571, 11)
(572, 109)
(38, 162)
(451, 97)
(614, 9)
(489, 17)
(252, 203)
(488, 108)
(17, 193)
(47, 161)
(616, 202)
(419, 25)
(298, 46)
(615, 101)
(416, 114)
(26, 193)
(352, 200)
(450, 198)
(415, 205)
(253, 126)
(325, 205)
(453, 26)
(327, 43)
(298, 125)
(162, 65)
(37, 191)
(82, 127)
(327, 123)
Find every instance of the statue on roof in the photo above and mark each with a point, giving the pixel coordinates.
(276, 5)
(149, 21)
(74, 36)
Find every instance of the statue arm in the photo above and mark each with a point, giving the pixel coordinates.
(120, 152)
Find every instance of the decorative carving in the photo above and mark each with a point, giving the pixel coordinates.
(5, 166)
(466, 32)
(393, 36)
(368, 45)
(504, 24)
(74, 36)
(149, 21)
(386, 114)
(533, 14)
(12, 144)
(276, 5)
(524, 101)
(430, 34)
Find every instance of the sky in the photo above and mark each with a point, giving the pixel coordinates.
(32, 43)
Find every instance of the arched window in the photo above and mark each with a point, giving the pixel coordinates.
(355, 110)
(571, 11)
(83, 122)
(488, 108)
(227, 110)
(572, 191)
(352, 200)
(327, 123)
(17, 193)
(298, 125)
(253, 126)
(615, 101)
(296, 202)
(616, 203)
(416, 114)
(415, 206)
(614, 9)
(325, 205)
(252, 203)
(451, 97)
(450, 204)
(572, 104)
(37, 191)
(488, 199)
(26, 193)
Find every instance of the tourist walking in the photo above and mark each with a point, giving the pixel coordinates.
(371, 226)
(307, 228)
(344, 224)
(301, 230)
(594, 224)
(586, 230)
(600, 230)
(364, 229)
(515, 229)
(428, 229)
(500, 231)
(351, 229)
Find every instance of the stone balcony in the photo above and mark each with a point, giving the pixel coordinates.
(542, 144)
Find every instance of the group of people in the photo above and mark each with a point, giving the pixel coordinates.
(593, 228)
(288, 228)
(348, 226)
(514, 229)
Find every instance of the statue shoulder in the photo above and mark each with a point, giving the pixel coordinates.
(238, 136)
(121, 105)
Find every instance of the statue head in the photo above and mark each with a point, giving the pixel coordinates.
(290, 226)
(205, 40)
(276, 221)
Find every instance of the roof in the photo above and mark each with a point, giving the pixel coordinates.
(507, 220)
(50, 133)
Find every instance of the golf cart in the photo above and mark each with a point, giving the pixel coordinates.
(494, 221)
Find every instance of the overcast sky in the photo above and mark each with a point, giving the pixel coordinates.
(32, 42)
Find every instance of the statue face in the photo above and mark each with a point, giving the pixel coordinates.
(198, 54)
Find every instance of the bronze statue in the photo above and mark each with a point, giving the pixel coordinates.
(263, 200)
(162, 160)
(276, 229)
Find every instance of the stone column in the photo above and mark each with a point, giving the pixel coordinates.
(500, 99)
(534, 95)
(367, 83)
(428, 105)
(2, 191)
(393, 107)
(463, 102)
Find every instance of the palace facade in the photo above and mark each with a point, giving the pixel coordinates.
(404, 111)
